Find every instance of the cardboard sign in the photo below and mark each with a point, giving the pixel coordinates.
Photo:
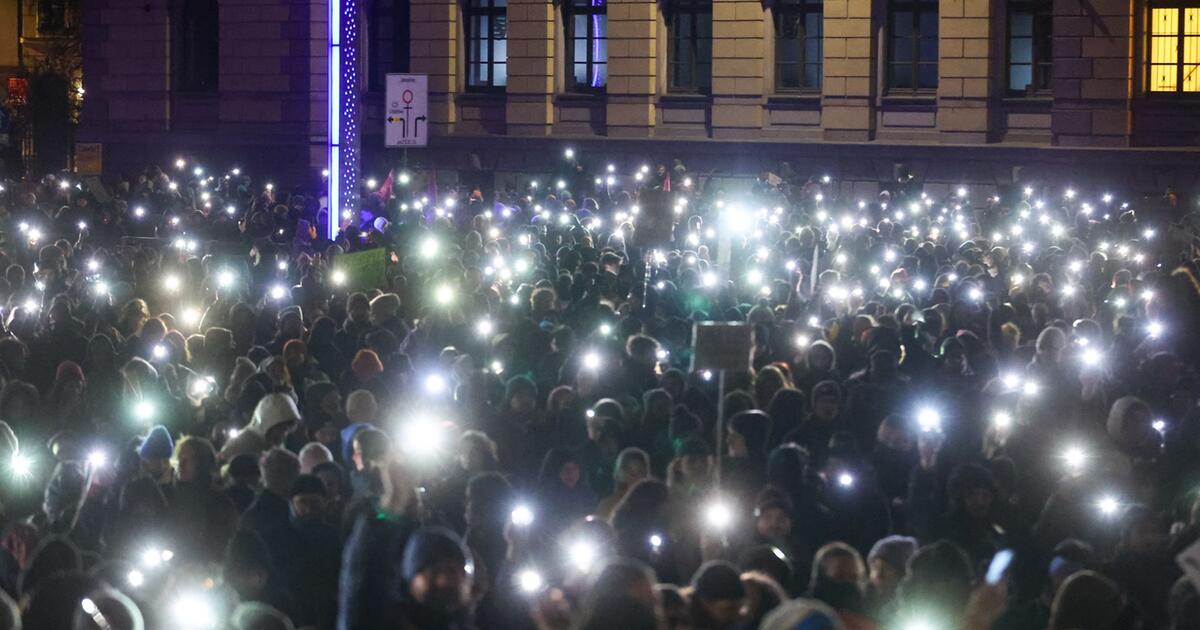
(722, 346)
(655, 221)
(406, 123)
(89, 158)
(364, 270)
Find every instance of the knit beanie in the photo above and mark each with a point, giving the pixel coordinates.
(366, 364)
(361, 407)
(894, 551)
(157, 445)
(429, 545)
(312, 455)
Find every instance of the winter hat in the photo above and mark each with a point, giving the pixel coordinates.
(312, 455)
(434, 544)
(361, 407)
(894, 551)
(273, 410)
(69, 369)
(348, 439)
(157, 444)
(802, 614)
(717, 580)
(244, 465)
(366, 364)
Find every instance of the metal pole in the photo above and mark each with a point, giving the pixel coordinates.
(720, 424)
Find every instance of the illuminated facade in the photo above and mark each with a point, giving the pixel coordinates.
(840, 79)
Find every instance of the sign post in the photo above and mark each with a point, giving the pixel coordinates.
(721, 346)
(407, 121)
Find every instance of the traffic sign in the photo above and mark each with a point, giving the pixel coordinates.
(406, 122)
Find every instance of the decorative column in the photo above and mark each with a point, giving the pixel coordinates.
(344, 112)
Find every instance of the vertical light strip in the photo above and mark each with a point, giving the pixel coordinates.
(335, 117)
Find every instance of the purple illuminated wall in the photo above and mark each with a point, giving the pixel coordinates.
(343, 111)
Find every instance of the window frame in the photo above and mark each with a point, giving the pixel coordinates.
(916, 8)
(1042, 69)
(1147, 65)
(800, 8)
(484, 8)
(571, 9)
(695, 11)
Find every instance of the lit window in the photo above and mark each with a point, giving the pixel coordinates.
(689, 51)
(1030, 60)
(912, 46)
(586, 24)
(487, 43)
(1174, 49)
(798, 44)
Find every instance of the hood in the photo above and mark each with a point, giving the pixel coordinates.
(271, 411)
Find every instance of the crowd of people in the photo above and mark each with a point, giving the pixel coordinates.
(960, 408)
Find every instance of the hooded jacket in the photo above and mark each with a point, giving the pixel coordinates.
(272, 411)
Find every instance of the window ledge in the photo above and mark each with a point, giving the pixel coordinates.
(920, 101)
(481, 95)
(794, 100)
(1034, 100)
(580, 98)
(683, 99)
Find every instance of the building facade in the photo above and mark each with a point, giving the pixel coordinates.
(839, 79)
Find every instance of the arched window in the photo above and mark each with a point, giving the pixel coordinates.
(196, 47)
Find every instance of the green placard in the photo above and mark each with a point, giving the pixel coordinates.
(364, 270)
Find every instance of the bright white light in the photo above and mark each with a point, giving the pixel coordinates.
(1030, 388)
(656, 541)
(1154, 329)
(802, 341)
(278, 292)
(143, 410)
(582, 555)
(1069, 194)
(522, 516)
(718, 515)
(443, 294)
(929, 420)
(569, 153)
(338, 277)
(591, 361)
(1107, 197)
(192, 611)
(159, 351)
(484, 328)
(975, 294)
(1092, 357)
(846, 480)
(21, 465)
(529, 581)
(97, 459)
(1002, 420)
(435, 384)
(422, 438)
(135, 578)
(225, 278)
(171, 283)
(1074, 457)
(1108, 505)
(1159, 425)
(191, 316)
(429, 248)
(961, 192)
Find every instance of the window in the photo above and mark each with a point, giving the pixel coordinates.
(51, 16)
(912, 46)
(798, 44)
(487, 43)
(1174, 64)
(387, 41)
(689, 46)
(586, 22)
(197, 47)
(1030, 61)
